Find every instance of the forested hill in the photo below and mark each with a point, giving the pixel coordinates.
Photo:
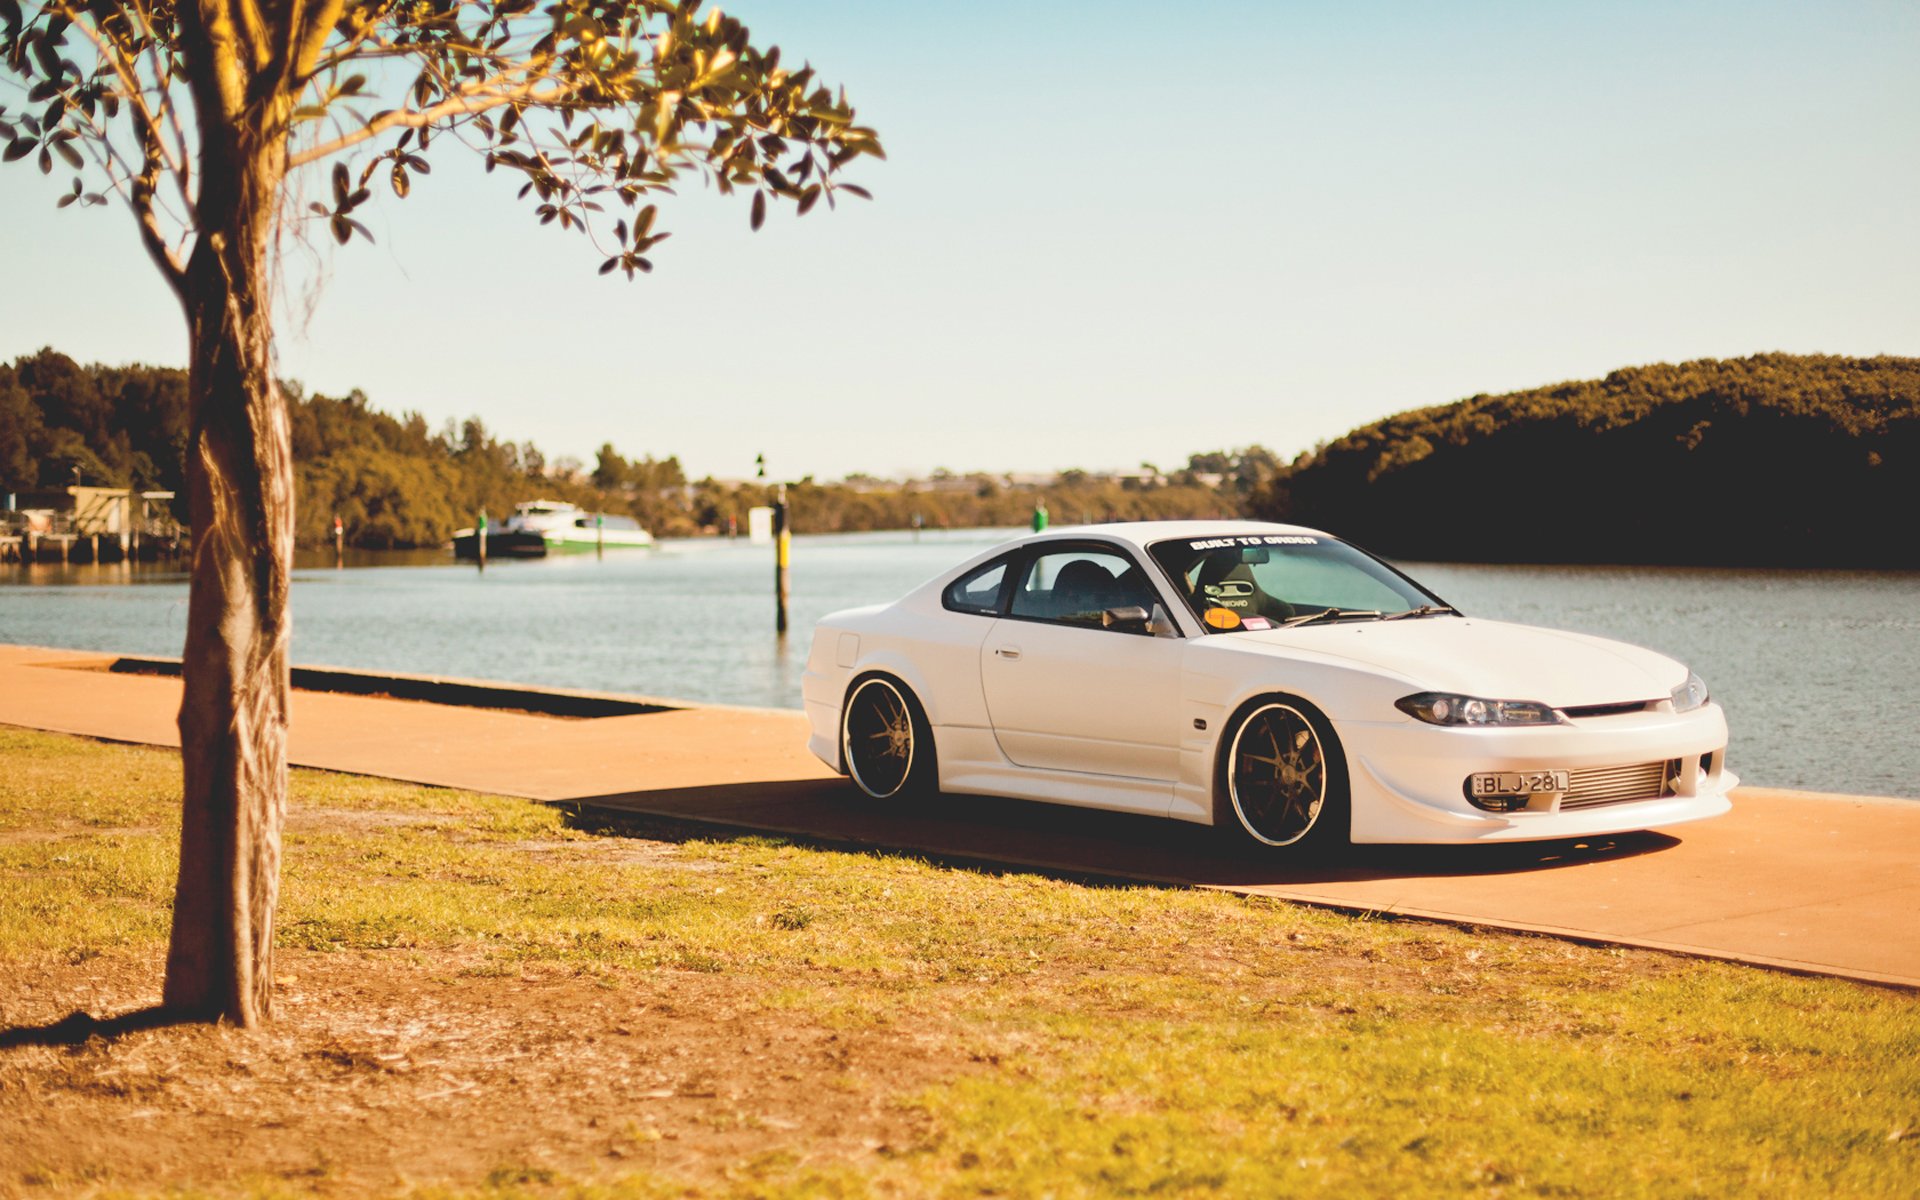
(1774, 460)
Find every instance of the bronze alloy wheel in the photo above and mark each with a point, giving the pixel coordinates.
(879, 738)
(1277, 775)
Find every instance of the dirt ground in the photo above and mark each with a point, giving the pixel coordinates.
(386, 1070)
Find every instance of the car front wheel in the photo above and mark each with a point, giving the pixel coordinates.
(1282, 783)
(884, 740)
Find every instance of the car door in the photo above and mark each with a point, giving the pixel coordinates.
(1066, 693)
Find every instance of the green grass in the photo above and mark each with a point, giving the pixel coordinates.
(1128, 1040)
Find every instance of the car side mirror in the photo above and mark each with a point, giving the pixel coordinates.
(1134, 619)
(1130, 619)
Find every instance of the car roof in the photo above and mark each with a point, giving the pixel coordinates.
(1144, 533)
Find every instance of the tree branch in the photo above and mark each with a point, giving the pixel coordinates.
(136, 95)
(153, 238)
(210, 24)
(474, 98)
(308, 35)
(253, 34)
(356, 51)
(139, 199)
(163, 81)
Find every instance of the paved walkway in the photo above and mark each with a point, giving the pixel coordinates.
(1815, 883)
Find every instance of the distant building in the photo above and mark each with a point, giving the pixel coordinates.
(86, 511)
(1032, 479)
(104, 524)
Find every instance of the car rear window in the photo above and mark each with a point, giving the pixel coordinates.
(979, 590)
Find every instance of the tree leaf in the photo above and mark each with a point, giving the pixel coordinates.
(759, 215)
(342, 229)
(342, 184)
(68, 153)
(16, 150)
(49, 57)
(401, 184)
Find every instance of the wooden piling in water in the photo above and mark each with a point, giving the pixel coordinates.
(782, 555)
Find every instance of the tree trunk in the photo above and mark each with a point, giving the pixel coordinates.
(233, 717)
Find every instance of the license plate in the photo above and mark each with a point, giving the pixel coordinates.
(1517, 783)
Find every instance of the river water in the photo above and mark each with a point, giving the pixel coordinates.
(1819, 671)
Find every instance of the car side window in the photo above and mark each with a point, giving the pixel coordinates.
(1075, 587)
(978, 591)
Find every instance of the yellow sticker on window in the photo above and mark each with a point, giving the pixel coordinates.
(1223, 618)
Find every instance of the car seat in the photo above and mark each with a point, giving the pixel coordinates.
(1082, 587)
(1226, 582)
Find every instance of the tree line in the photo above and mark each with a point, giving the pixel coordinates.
(398, 482)
(1771, 460)
(1776, 459)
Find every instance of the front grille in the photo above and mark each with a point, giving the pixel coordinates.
(1607, 710)
(1620, 785)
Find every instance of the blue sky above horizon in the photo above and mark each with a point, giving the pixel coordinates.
(1117, 232)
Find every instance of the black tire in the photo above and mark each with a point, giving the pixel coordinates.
(1280, 786)
(886, 744)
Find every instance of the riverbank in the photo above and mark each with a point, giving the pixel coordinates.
(483, 997)
(1821, 884)
(1814, 668)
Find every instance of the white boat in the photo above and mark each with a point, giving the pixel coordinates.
(541, 527)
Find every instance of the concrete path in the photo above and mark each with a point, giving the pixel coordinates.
(1821, 884)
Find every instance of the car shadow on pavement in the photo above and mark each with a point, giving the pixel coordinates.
(1086, 843)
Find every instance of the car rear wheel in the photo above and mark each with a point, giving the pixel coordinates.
(884, 740)
(1283, 781)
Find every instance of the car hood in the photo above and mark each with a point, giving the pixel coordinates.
(1491, 659)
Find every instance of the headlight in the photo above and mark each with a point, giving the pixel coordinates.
(1691, 694)
(1446, 708)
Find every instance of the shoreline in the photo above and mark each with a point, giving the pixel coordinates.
(480, 695)
(1819, 883)
(321, 555)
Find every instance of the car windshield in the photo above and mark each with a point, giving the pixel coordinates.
(1261, 580)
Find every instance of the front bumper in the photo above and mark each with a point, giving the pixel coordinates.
(1408, 778)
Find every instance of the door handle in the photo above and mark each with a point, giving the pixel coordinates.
(1007, 651)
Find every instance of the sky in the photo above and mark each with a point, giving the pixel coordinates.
(1114, 233)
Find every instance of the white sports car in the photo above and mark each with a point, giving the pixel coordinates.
(1269, 679)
